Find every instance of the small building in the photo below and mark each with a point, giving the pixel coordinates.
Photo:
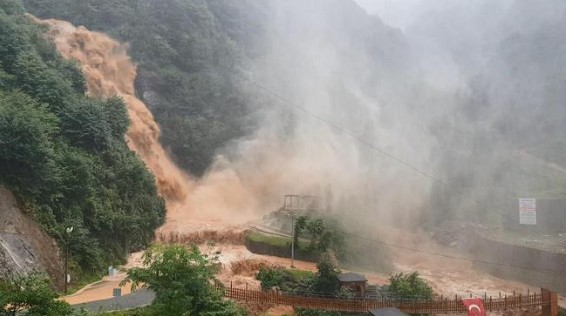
(353, 281)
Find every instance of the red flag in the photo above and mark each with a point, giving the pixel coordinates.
(474, 306)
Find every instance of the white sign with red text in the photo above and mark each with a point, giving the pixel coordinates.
(528, 211)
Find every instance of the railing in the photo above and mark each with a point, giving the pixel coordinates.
(439, 305)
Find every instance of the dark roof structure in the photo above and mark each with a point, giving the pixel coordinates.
(387, 312)
(351, 277)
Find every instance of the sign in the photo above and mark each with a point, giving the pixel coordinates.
(116, 292)
(528, 211)
(474, 306)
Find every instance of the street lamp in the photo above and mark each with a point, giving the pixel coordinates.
(68, 230)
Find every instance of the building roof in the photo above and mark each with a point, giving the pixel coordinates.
(351, 277)
(387, 312)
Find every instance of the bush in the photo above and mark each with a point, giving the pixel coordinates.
(289, 281)
(31, 295)
(409, 286)
(326, 280)
(183, 281)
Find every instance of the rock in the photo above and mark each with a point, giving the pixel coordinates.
(24, 246)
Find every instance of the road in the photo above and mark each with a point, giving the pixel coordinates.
(136, 299)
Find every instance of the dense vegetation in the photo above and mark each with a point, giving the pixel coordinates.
(324, 238)
(183, 281)
(187, 65)
(63, 154)
(322, 283)
(194, 57)
(31, 296)
(407, 286)
(316, 235)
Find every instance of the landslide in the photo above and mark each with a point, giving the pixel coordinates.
(64, 157)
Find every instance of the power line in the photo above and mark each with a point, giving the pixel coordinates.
(382, 151)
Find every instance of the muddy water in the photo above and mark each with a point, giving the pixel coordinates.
(110, 72)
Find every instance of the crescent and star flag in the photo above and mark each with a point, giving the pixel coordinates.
(474, 306)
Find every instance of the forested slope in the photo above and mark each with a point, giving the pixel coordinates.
(192, 57)
(63, 153)
(186, 61)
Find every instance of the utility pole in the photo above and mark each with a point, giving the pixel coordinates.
(292, 239)
(68, 231)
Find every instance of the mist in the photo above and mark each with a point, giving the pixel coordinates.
(332, 92)
(453, 89)
(499, 136)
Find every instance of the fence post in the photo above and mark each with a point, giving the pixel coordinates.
(549, 302)
(490, 301)
(505, 306)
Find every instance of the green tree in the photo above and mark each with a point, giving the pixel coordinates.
(31, 295)
(323, 238)
(183, 281)
(63, 154)
(300, 225)
(11, 7)
(409, 286)
(117, 116)
(26, 144)
(326, 279)
(188, 61)
(85, 124)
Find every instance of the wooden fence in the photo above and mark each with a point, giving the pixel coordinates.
(439, 305)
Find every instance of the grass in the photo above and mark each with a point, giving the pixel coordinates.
(301, 274)
(84, 281)
(269, 239)
(278, 241)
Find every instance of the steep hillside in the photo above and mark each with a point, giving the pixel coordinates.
(219, 77)
(194, 54)
(503, 135)
(24, 246)
(63, 153)
(185, 62)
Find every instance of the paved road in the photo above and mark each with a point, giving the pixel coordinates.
(138, 298)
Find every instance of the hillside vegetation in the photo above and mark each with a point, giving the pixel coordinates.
(63, 153)
(186, 64)
(495, 136)
(194, 57)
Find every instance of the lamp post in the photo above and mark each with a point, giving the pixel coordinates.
(68, 231)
